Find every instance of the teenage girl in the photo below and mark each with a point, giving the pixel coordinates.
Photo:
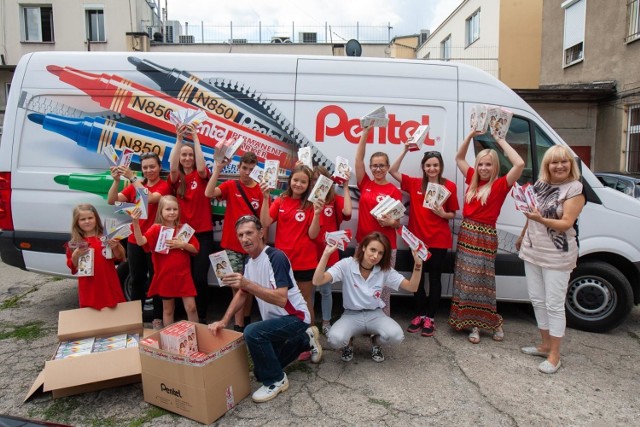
(372, 192)
(102, 289)
(432, 227)
(298, 224)
(140, 265)
(473, 305)
(172, 271)
(336, 209)
(188, 179)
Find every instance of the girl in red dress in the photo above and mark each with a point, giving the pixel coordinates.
(101, 288)
(172, 271)
(431, 225)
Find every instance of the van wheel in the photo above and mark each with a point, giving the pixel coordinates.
(599, 297)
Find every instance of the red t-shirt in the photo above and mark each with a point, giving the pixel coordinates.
(433, 230)
(487, 214)
(195, 207)
(370, 195)
(103, 288)
(236, 206)
(129, 192)
(330, 219)
(292, 232)
(172, 271)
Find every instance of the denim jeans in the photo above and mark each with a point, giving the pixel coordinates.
(273, 344)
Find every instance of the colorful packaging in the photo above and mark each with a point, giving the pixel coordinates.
(340, 238)
(342, 169)
(257, 174)
(179, 338)
(185, 233)
(414, 243)
(221, 265)
(416, 140)
(320, 189)
(85, 264)
(306, 157)
(376, 118)
(166, 233)
(271, 169)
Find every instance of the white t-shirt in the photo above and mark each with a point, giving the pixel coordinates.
(361, 294)
(271, 270)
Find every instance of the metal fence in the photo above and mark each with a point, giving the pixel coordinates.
(251, 33)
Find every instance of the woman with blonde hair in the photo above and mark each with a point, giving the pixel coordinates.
(473, 306)
(548, 245)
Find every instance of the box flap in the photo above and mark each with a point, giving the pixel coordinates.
(83, 322)
(91, 368)
(36, 387)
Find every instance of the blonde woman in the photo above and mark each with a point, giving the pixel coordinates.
(548, 245)
(473, 306)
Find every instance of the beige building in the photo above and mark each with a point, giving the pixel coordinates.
(501, 37)
(589, 81)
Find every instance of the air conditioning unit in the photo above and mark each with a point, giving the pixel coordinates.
(281, 39)
(308, 37)
(172, 31)
(238, 41)
(186, 39)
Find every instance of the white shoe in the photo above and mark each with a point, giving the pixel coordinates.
(266, 393)
(314, 344)
(547, 367)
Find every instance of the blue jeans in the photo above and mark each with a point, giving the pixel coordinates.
(275, 343)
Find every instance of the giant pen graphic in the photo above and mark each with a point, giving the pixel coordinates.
(96, 132)
(153, 108)
(241, 104)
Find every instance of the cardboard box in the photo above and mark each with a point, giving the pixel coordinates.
(202, 386)
(95, 371)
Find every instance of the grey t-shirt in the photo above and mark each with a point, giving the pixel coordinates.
(546, 247)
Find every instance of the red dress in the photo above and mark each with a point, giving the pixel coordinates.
(103, 288)
(330, 219)
(172, 271)
(195, 207)
(161, 187)
(292, 232)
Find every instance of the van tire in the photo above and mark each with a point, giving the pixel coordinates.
(599, 297)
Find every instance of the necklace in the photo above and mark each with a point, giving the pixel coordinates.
(365, 268)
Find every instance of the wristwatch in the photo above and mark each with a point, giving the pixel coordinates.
(133, 179)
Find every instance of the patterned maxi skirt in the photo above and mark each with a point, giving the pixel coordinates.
(474, 287)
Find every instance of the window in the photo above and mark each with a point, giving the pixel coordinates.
(445, 48)
(633, 139)
(633, 20)
(95, 25)
(36, 23)
(472, 28)
(574, 23)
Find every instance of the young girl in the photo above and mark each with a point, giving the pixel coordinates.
(363, 277)
(474, 289)
(172, 272)
(371, 192)
(188, 178)
(336, 209)
(140, 265)
(298, 224)
(102, 288)
(432, 227)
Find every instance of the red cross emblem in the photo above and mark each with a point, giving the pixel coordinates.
(299, 216)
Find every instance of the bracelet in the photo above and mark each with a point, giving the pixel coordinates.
(133, 179)
(417, 267)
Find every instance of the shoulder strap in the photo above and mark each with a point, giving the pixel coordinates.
(246, 199)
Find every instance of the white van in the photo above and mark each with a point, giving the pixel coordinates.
(64, 107)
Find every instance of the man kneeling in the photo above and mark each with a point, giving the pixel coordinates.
(284, 332)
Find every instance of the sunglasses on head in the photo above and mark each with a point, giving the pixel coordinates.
(249, 218)
(149, 155)
(430, 154)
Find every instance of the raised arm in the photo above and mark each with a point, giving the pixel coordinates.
(412, 284)
(461, 155)
(314, 229)
(348, 204)
(320, 276)
(201, 165)
(360, 151)
(174, 158)
(516, 161)
(113, 195)
(395, 166)
(265, 218)
(212, 190)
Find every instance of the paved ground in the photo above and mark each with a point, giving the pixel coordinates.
(426, 381)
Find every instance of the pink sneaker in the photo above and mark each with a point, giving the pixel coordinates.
(428, 327)
(416, 324)
(304, 356)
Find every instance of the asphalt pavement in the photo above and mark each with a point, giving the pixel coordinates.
(440, 381)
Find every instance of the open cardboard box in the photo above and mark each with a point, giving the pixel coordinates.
(95, 371)
(202, 389)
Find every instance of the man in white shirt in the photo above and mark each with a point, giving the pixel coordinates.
(284, 332)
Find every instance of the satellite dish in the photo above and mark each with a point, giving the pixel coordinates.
(353, 48)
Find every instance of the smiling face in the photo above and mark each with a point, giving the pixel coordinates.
(372, 254)
(187, 159)
(151, 170)
(170, 212)
(250, 238)
(298, 183)
(432, 168)
(559, 170)
(485, 168)
(87, 223)
(379, 166)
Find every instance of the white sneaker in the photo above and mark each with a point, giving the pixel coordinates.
(314, 344)
(266, 393)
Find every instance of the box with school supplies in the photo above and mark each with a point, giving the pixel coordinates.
(389, 206)
(376, 118)
(201, 386)
(435, 195)
(342, 169)
(221, 265)
(179, 338)
(75, 367)
(416, 140)
(320, 189)
(414, 243)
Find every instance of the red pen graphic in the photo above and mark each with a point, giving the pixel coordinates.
(141, 103)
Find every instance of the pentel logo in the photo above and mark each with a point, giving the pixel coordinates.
(171, 391)
(332, 120)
